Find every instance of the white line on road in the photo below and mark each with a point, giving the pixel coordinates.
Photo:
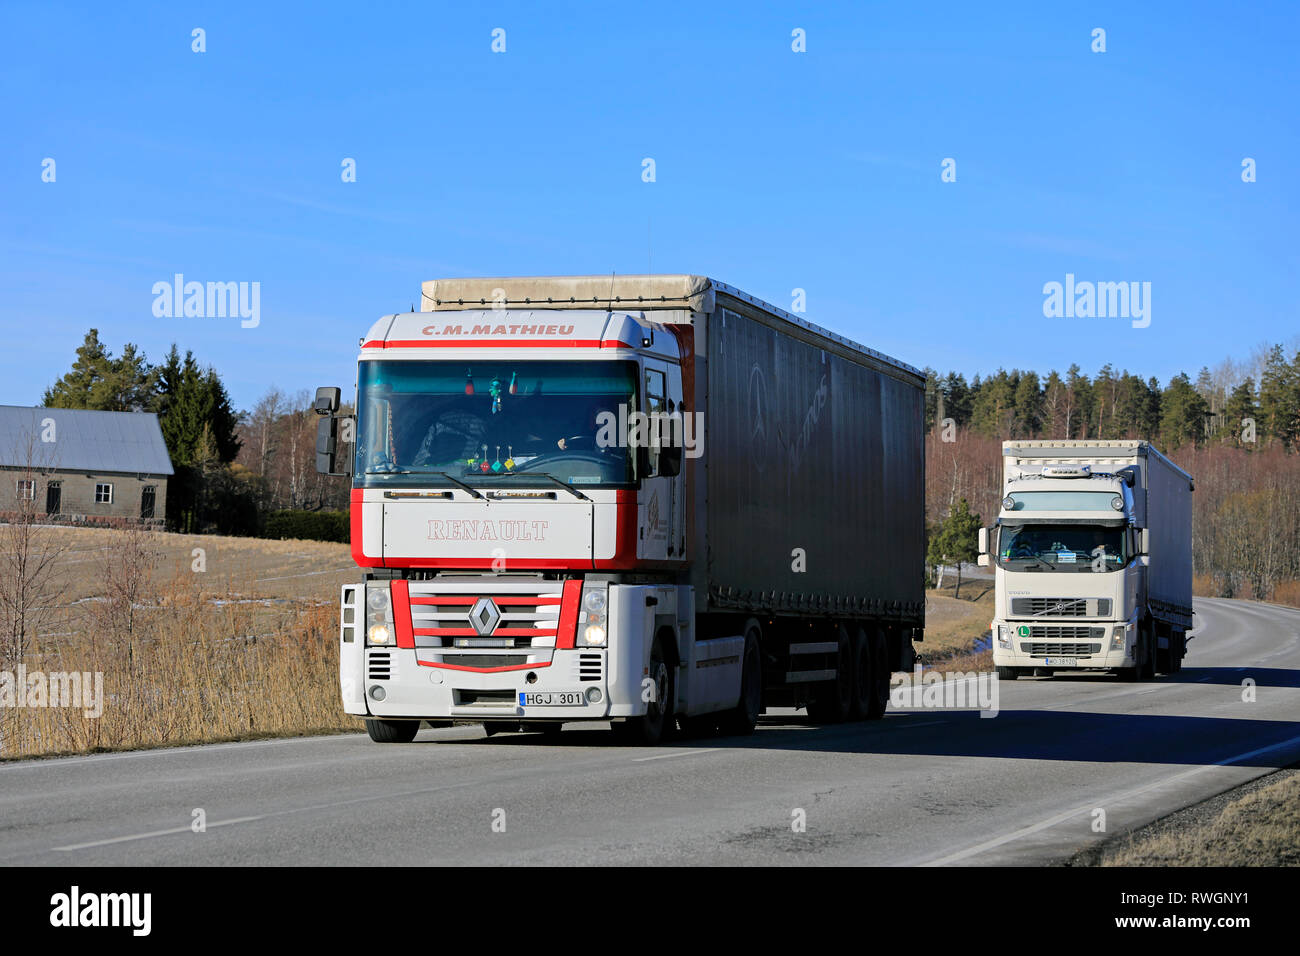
(152, 833)
(1088, 808)
(680, 753)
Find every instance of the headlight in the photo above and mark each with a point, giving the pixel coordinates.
(1117, 503)
(380, 634)
(377, 598)
(1004, 635)
(1119, 637)
(594, 600)
(593, 635)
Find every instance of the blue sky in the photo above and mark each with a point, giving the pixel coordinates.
(775, 170)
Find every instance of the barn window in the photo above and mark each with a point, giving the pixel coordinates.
(104, 493)
(26, 489)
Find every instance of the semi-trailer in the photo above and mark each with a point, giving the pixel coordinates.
(649, 500)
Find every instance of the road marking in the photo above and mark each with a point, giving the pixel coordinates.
(927, 723)
(1087, 809)
(152, 833)
(680, 753)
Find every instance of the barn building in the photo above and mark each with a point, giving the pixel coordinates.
(75, 466)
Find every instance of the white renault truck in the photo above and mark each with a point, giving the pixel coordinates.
(1092, 558)
(648, 500)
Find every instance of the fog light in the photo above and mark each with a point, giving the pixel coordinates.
(379, 634)
(378, 693)
(1009, 503)
(594, 636)
(594, 695)
(1117, 503)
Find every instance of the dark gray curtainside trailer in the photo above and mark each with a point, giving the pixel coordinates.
(815, 471)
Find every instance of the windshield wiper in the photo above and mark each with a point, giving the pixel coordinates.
(563, 484)
(424, 471)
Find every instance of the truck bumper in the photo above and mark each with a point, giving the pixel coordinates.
(397, 685)
(1094, 653)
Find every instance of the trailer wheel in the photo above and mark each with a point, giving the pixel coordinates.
(1178, 650)
(834, 699)
(863, 685)
(392, 731)
(879, 651)
(741, 720)
(1164, 658)
(657, 722)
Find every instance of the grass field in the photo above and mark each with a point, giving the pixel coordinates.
(199, 638)
(1260, 828)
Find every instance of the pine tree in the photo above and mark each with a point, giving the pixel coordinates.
(1279, 398)
(1241, 416)
(103, 383)
(1183, 413)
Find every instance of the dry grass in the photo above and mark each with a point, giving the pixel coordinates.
(952, 625)
(243, 648)
(1259, 829)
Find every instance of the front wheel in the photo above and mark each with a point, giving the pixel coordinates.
(392, 731)
(743, 718)
(661, 687)
(1008, 673)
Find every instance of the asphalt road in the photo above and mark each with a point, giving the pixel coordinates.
(919, 787)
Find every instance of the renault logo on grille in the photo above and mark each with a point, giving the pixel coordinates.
(485, 616)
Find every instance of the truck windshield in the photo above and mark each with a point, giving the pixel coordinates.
(482, 422)
(1064, 547)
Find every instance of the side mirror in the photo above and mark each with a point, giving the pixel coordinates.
(327, 446)
(327, 401)
(984, 543)
(1144, 541)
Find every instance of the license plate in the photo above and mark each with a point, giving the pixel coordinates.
(1063, 661)
(554, 698)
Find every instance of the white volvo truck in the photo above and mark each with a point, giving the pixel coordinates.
(648, 500)
(1092, 558)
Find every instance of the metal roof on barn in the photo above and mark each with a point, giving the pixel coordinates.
(90, 441)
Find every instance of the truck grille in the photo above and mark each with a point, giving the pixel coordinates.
(1060, 650)
(523, 614)
(381, 665)
(1065, 632)
(1061, 607)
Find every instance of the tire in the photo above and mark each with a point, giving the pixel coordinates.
(1147, 669)
(834, 699)
(392, 731)
(863, 687)
(1164, 658)
(879, 650)
(1179, 649)
(1008, 673)
(741, 720)
(658, 721)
